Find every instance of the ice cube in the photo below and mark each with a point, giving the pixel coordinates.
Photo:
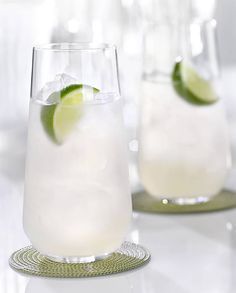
(65, 79)
(47, 90)
(61, 81)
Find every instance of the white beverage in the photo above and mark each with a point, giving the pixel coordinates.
(184, 148)
(77, 198)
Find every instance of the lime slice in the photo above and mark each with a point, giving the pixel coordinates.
(59, 119)
(191, 86)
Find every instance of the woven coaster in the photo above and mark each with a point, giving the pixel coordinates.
(143, 202)
(29, 261)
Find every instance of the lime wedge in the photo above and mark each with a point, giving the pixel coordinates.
(60, 119)
(191, 86)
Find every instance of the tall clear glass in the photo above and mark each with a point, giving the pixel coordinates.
(77, 203)
(184, 151)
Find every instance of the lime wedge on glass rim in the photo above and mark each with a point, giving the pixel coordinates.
(191, 86)
(59, 119)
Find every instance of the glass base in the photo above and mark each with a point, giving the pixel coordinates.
(76, 259)
(185, 201)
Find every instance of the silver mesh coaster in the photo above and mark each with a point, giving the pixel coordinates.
(143, 202)
(29, 261)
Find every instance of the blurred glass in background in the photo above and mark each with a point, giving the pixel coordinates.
(183, 143)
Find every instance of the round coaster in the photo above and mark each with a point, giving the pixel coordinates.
(128, 257)
(143, 202)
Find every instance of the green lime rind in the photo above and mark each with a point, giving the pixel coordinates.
(70, 89)
(191, 87)
(67, 90)
(48, 112)
(179, 87)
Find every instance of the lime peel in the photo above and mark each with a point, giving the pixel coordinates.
(59, 119)
(191, 86)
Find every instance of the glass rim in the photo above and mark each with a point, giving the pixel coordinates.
(74, 46)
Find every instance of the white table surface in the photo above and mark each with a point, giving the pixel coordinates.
(190, 253)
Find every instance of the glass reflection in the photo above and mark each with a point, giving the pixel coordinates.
(127, 283)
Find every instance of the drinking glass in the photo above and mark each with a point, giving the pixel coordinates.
(77, 203)
(184, 153)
